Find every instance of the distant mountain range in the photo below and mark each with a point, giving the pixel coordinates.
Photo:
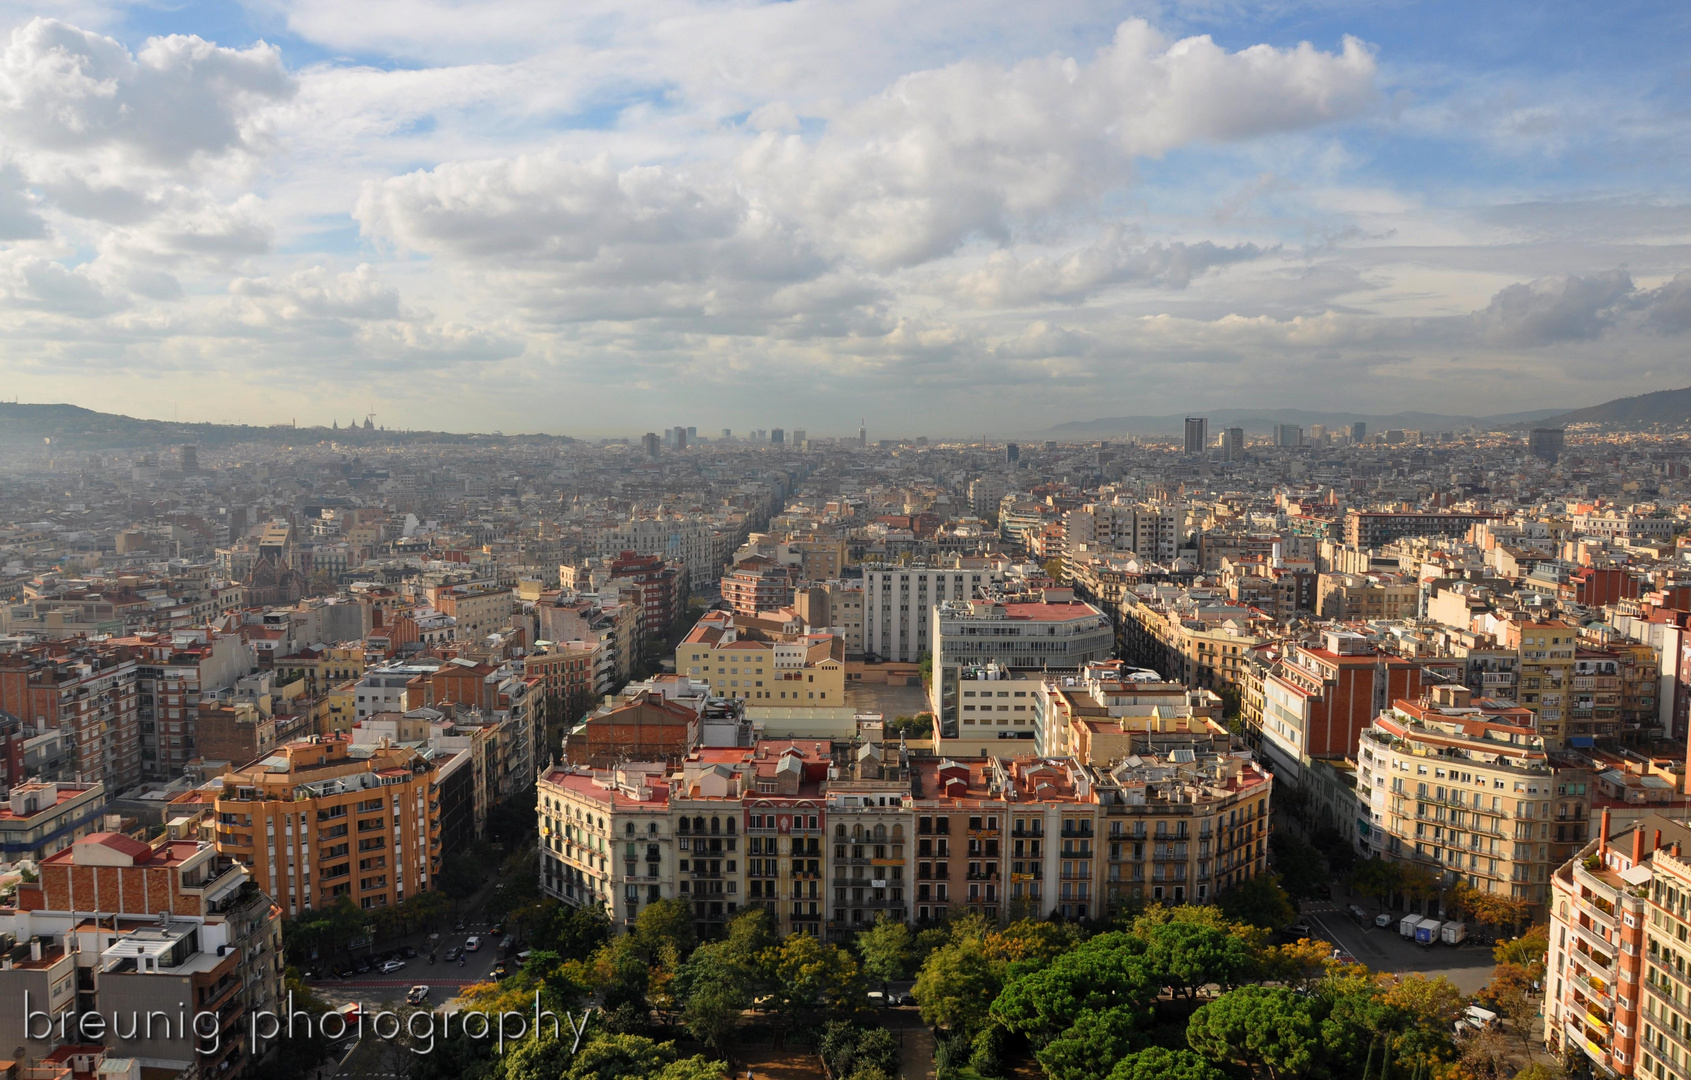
(1661, 407)
(76, 428)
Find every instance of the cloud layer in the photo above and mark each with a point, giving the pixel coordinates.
(815, 209)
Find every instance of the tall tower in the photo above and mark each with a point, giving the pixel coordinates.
(863, 432)
(1197, 435)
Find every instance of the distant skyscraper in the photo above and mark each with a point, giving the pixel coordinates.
(1233, 444)
(727, 434)
(652, 443)
(1317, 432)
(862, 433)
(1197, 434)
(1288, 435)
(1358, 431)
(1012, 453)
(798, 437)
(681, 437)
(1544, 443)
(777, 436)
(190, 459)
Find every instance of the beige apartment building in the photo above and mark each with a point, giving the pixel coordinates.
(1467, 790)
(1547, 673)
(739, 662)
(323, 818)
(830, 835)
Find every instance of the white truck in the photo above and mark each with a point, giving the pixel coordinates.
(1427, 932)
(1452, 933)
(1406, 926)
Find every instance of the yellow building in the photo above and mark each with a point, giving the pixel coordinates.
(1547, 669)
(320, 818)
(738, 662)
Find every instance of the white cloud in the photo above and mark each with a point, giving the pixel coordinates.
(1005, 280)
(976, 149)
(68, 90)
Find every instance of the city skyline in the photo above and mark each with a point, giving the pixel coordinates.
(951, 219)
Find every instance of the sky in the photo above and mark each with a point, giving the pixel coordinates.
(944, 218)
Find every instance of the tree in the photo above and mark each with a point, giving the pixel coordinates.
(1106, 972)
(1259, 901)
(619, 1057)
(886, 949)
(1526, 952)
(956, 987)
(1377, 878)
(712, 1012)
(1187, 956)
(574, 933)
(1300, 965)
(666, 921)
(809, 976)
(1159, 1063)
(1032, 940)
(1269, 1030)
(1093, 1045)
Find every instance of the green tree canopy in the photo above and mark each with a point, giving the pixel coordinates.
(1185, 957)
(1091, 1047)
(956, 987)
(1271, 1031)
(1103, 973)
(886, 948)
(1260, 901)
(1160, 1063)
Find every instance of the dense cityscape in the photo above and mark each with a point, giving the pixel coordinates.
(874, 755)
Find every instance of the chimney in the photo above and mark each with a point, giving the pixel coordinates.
(35, 948)
(1637, 846)
(1657, 842)
(1603, 836)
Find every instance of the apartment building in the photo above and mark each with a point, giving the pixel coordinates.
(829, 836)
(1108, 711)
(1467, 789)
(1600, 916)
(1547, 651)
(898, 601)
(323, 818)
(1371, 529)
(1317, 702)
(1055, 631)
(90, 693)
(758, 583)
(478, 609)
(1198, 637)
(836, 607)
(172, 671)
(1353, 597)
(39, 819)
(740, 661)
(1662, 1047)
(1146, 529)
(116, 925)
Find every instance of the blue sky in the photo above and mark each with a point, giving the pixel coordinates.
(951, 217)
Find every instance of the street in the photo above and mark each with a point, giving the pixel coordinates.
(1382, 949)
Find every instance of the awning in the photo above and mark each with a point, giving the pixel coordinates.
(1582, 740)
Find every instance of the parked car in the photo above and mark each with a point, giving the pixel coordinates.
(1298, 930)
(341, 971)
(472, 944)
(459, 926)
(360, 966)
(1383, 921)
(417, 995)
(1361, 916)
(392, 966)
(903, 999)
(877, 998)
